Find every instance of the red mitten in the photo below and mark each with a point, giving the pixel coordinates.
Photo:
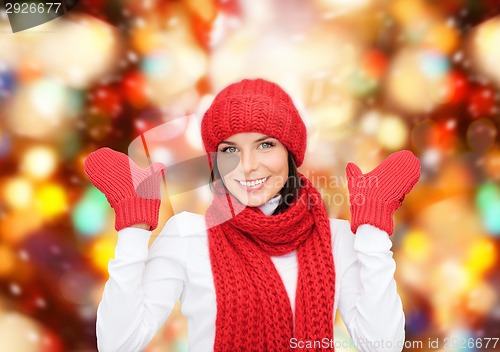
(375, 196)
(134, 193)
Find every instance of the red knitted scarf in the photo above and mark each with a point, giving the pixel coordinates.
(253, 308)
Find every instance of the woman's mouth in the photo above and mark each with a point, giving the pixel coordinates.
(252, 186)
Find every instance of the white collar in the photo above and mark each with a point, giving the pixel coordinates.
(271, 205)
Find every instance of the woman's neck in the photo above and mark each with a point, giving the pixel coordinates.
(271, 205)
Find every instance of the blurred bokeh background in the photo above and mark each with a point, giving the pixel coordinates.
(370, 77)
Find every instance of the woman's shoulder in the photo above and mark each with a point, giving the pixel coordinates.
(340, 227)
(175, 237)
(342, 244)
(185, 224)
(342, 236)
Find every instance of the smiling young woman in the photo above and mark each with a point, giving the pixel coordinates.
(281, 182)
(264, 269)
(264, 167)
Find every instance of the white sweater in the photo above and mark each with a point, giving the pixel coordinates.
(144, 286)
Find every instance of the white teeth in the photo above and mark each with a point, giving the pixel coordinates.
(252, 183)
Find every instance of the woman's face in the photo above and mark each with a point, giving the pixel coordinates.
(253, 167)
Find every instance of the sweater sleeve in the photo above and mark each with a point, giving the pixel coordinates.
(369, 303)
(142, 288)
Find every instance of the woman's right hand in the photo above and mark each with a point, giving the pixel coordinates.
(133, 193)
(376, 195)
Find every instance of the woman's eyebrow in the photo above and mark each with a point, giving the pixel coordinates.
(256, 141)
(262, 138)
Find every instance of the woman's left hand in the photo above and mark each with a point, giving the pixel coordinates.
(375, 196)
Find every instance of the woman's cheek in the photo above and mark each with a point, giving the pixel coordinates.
(227, 164)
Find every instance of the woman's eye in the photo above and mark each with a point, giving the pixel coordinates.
(228, 150)
(267, 145)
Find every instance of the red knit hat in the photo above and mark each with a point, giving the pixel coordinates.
(254, 106)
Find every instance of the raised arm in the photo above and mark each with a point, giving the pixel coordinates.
(142, 289)
(369, 302)
(143, 285)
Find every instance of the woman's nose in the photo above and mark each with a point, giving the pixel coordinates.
(249, 162)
